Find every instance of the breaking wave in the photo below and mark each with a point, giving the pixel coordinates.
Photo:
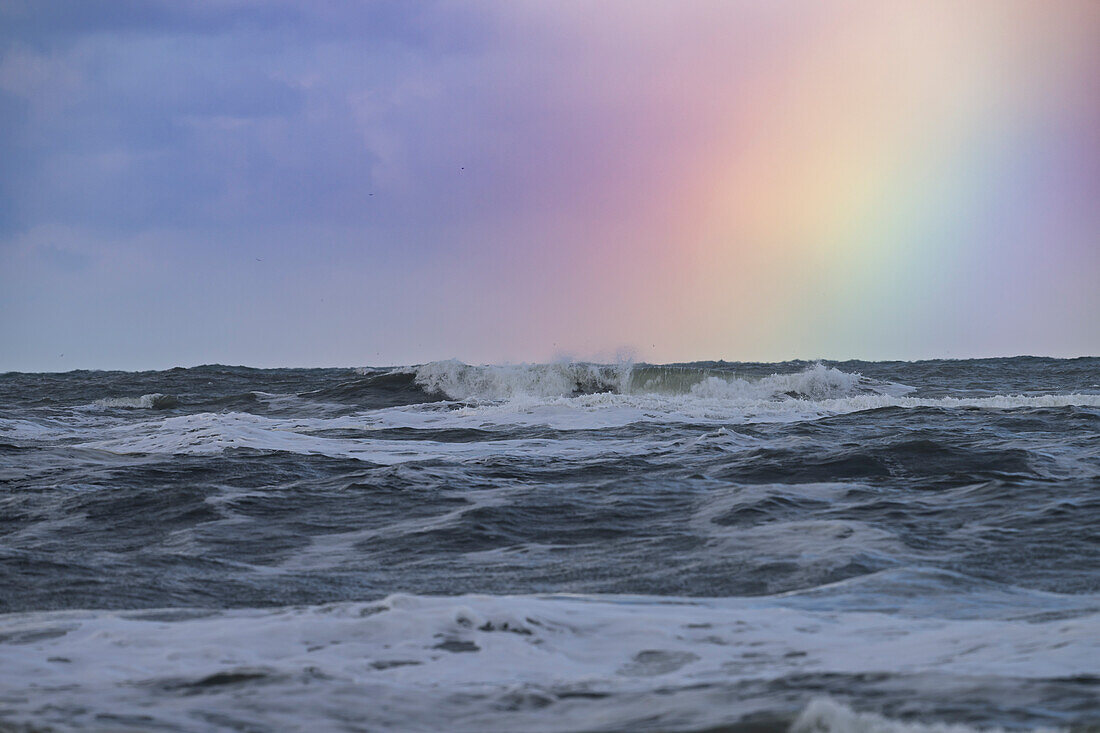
(154, 401)
(460, 662)
(459, 381)
(824, 715)
(709, 546)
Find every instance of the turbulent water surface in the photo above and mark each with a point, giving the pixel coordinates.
(562, 547)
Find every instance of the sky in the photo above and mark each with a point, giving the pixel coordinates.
(345, 183)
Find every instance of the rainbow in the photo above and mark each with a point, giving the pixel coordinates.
(852, 179)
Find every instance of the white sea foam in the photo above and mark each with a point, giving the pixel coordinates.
(438, 661)
(464, 382)
(608, 410)
(823, 715)
(503, 398)
(211, 433)
(587, 396)
(208, 433)
(155, 400)
(814, 383)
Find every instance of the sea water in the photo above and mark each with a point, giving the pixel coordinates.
(712, 546)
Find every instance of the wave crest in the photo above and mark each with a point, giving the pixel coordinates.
(817, 382)
(824, 715)
(459, 381)
(154, 401)
(494, 383)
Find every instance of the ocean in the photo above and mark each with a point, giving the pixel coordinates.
(714, 546)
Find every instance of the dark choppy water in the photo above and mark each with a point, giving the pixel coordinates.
(852, 546)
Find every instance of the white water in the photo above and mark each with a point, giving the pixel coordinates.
(464, 382)
(147, 401)
(926, 639)
(500, 398)
(442, 662)
(504, 397)
(827, 716)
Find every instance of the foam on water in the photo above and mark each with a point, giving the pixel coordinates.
(464, 382)
(816, 382)
(583, 396)
(154, 401)
(709, 546)
(208, 433)
(494, 382)
(437, 659)
(211, 433)
(823, 715)
(609, 410)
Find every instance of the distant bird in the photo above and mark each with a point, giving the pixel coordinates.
(258, 259)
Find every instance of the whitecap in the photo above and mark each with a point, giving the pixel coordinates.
(154, 401)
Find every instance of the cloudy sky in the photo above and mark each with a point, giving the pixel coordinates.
(351, 183)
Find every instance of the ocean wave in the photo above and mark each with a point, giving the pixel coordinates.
(824, 715)
(27, 430)
(353, 436)
(698, 547)
(456, 662)
(610, 410)
(153, 401)
(460, 381)
(463, 382)
(375, 389)
(817, 382)
(211, 433)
